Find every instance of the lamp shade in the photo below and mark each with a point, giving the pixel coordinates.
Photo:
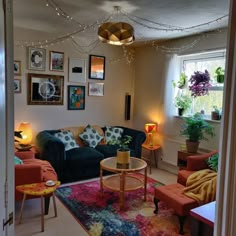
(116, 33)
(150, 128)
(26, 133)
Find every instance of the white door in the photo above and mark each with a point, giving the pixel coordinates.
(6, 118)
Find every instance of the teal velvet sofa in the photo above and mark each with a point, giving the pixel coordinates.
(83, 161)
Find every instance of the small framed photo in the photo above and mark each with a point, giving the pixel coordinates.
(36, 58)
(76, 97)
(17, 67)
(56, 61)
(77, 71)
(96, 89)
(17, 85)
(96, 67)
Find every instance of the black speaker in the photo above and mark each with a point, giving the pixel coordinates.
(127, 106)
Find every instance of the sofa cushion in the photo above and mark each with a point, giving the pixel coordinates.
(107, 150)
(84, 156)
(183, 176)
(113, 133)
(91, 136)
(67, 138)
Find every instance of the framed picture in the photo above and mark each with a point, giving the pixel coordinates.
(96, 67)
(56, 61)
(76, 97)
(77, 70)
(96, 89)
(17, 67)
(17, 85)
(36, 59)
(45, 89)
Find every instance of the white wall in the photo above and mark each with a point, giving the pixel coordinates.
(106, 110)
(154, 72)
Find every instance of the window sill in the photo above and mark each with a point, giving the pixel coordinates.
(206, 119)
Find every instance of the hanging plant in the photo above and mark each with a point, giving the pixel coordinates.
(200, 83)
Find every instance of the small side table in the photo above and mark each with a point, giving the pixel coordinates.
(152, 150)
(40, 190)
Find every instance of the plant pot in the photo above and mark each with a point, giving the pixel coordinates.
(123, 159)
(180, 111)
(192, 146)
(220, 79)
(215, 115)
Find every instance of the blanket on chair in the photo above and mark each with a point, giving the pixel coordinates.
(201, 186)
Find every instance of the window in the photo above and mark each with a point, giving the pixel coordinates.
(209, 61)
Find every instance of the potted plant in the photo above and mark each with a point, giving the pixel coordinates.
(181, 82)
(200, 83)
(216, 114)
(195, 129)
(183, 103)
(123, 151)
(220, 75)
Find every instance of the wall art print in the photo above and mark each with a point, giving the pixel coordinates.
(45, 89)
(36, 58)
(76, 97)
(96, 89)
(56, 61)
(17, 85)
(77, 70)
(96, 67)
(17, 67)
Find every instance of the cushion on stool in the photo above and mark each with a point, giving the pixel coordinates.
(173, 196)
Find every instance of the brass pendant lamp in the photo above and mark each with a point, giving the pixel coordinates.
(116, 33)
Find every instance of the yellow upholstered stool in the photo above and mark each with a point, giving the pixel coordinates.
(41, 190)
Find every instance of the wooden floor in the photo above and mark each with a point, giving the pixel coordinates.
(65, 224)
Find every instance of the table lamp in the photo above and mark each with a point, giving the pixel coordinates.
(150, 128)
(25, 141)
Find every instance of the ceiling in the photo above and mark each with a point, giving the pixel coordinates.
(178, 16)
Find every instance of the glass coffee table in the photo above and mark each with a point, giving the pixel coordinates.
(123, 182)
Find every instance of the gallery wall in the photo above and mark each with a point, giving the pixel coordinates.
(154, 71)
(101, 110)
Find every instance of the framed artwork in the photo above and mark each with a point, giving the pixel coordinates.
(96, 89)
(17, 67)
(45, 89)
(56, 61)
(36, 59)
(77, 71)
(96, 67)
(17, 85)
(76, 97)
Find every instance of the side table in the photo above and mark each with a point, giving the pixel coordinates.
(41, 190)
(152, 150)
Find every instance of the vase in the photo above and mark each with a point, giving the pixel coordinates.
(123, 159)
(180, 111)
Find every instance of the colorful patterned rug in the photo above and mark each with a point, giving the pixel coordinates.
(99, 214)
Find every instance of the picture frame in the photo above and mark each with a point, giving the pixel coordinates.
(77, 70)
(17, 67)
(96, 67)
(76, 97)
(56, 60)
(36, 58)
(96, 89)
(17, 85)
(45, 89)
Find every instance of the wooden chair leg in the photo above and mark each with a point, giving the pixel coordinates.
(22, 206)
(46, 203)
(42, 214)
(181, 224)
(155, 200)
(54, 204)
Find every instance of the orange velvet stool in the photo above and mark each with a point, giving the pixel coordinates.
(173, 196)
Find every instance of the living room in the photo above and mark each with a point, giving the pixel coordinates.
(144, 72)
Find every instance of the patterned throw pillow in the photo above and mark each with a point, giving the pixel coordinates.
(91, 136)
(212, 162)
(17, 160)
(113, 133)
(67, 138)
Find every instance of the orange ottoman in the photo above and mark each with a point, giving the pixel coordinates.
(173, 195)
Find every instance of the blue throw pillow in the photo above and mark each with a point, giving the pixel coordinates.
(17, 160)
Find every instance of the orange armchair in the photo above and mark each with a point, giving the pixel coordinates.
(32, 171)
(194, 163)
